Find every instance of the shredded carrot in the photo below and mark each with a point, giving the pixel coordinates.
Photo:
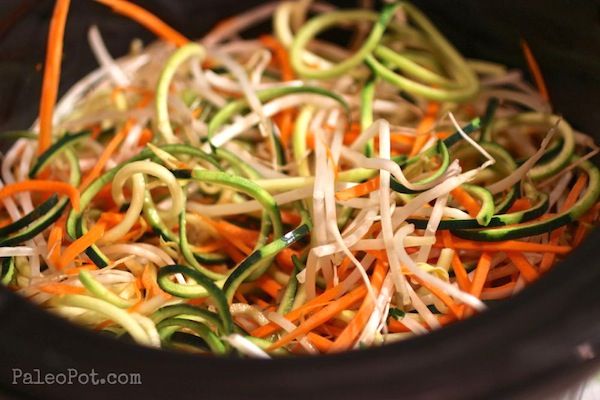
(348, 336)
(54, 244)
(51, 80)
(507, 245)
(284, 259)
(359, 190)
(239, 244)
(443, 134)
(233, 252)
(240, 297)
(281, 54)
(146, 19)
(549, 258)
(110, 148)
(77, 270)
(80, 245)
(481, 272)
(329, 329)
(528, 271)
(585, 225)
(322, 344)
(136, 306)
(501, 272)
(466, 200)
(285, 117)
(322, 316)
(297, 313)
(401, 139)
(269, 286)
(61, 288)
(520, 204)
(343, 268)
(424, 127)
(290, 218)
(210, 247)
(454, 308)
(96, 131)
(499, 291)
(535, 70)
(229, 230)
(197, 302)
(47, 186)
(145, 137)
(5, 222)
(111, 218)
(150, 283)
(396, 326)
(103, 324)
(460, 272)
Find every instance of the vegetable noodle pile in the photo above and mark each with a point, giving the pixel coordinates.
(285, 194)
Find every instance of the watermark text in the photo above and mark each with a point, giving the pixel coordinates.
(73, 376)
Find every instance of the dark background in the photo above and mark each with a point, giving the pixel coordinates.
(526, 347)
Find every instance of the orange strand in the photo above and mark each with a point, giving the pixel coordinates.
(359, 190)
(110, 148)
(466, 201)
(481, 273)
(147, 20)
(549, 258)
(424, 127)
(534, 67)
(324, 315)
(36, 185)
(61, 288)
(80, 245)
(348, 336)
(51, 80)
(528, 271)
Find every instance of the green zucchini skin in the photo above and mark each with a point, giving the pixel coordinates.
(27, 219)
(37, 227)
(179, 310)
(496, 220)
(532, 228)
(456, 137)
(488, 117)
(167, 327)
(75, 222)
(237, 106)
(508, 200)
(92, 190)
(289, 295)
(188, 254)
(191, 292)
(253, 262)
(7, 270)
(440, 149)
(486, 212)
(55, 149)
(29, 227)
(554, 159)
(93, 252)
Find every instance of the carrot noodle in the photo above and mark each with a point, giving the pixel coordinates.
(51, 79)
(147, 19)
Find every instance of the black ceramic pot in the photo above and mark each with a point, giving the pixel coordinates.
(536, 345)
